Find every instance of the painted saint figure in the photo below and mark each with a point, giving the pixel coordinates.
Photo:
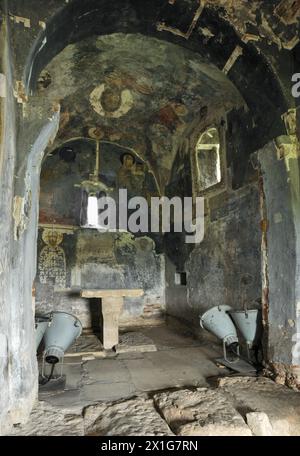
(130, 175)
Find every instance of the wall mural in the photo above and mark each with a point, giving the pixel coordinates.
(52, 259)
(111, 101)
(65, 168)
(141, 92)
(131, 175)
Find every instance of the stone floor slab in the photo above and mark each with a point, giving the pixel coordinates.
(136, 417)
(135, 341)
(147, 375)
(73, 373)
(69, 399)
(202, 412)
(281, 404)
(106, 392)
(185, 366)
(46, 420)
(106, 371)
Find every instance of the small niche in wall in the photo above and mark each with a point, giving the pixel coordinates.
(180, 278)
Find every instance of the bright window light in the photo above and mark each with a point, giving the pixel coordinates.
(208, 160)
(92, 211)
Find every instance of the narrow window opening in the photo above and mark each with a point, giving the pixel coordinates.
(180, 278)
(208, 159)
(92, 211)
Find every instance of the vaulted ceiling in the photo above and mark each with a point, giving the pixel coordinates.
(136, 91)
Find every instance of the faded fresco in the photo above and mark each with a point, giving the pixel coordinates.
(139, 92)
(66, 168)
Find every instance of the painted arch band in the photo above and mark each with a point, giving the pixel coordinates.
(162, 216)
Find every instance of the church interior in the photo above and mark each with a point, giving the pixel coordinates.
(114, 324)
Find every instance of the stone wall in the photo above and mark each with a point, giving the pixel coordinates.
(7, 155)
(19, 203)
(86, 258)
(229, 252)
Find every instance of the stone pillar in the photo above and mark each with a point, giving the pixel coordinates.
(111, 310)
(280, 165)
(112, 305)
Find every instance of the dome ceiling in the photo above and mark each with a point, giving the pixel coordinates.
(136, 91)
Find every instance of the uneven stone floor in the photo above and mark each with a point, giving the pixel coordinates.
(179, 360)
(239, 406)
(164, 392)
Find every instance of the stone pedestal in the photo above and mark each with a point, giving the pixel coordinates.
(112, 306)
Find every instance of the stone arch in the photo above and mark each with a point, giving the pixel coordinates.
(242, 62)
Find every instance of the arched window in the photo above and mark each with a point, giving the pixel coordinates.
(208, 160)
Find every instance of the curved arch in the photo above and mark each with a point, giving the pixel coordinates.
(251, 74)
(121, 146)
(84, 138)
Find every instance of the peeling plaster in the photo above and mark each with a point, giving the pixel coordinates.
(242, 13)
(290, 120)
(19, 92)
(21, 20)
(232, 59)
(163, 27)
(247, 37)
(288, 11)
(19, 217)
